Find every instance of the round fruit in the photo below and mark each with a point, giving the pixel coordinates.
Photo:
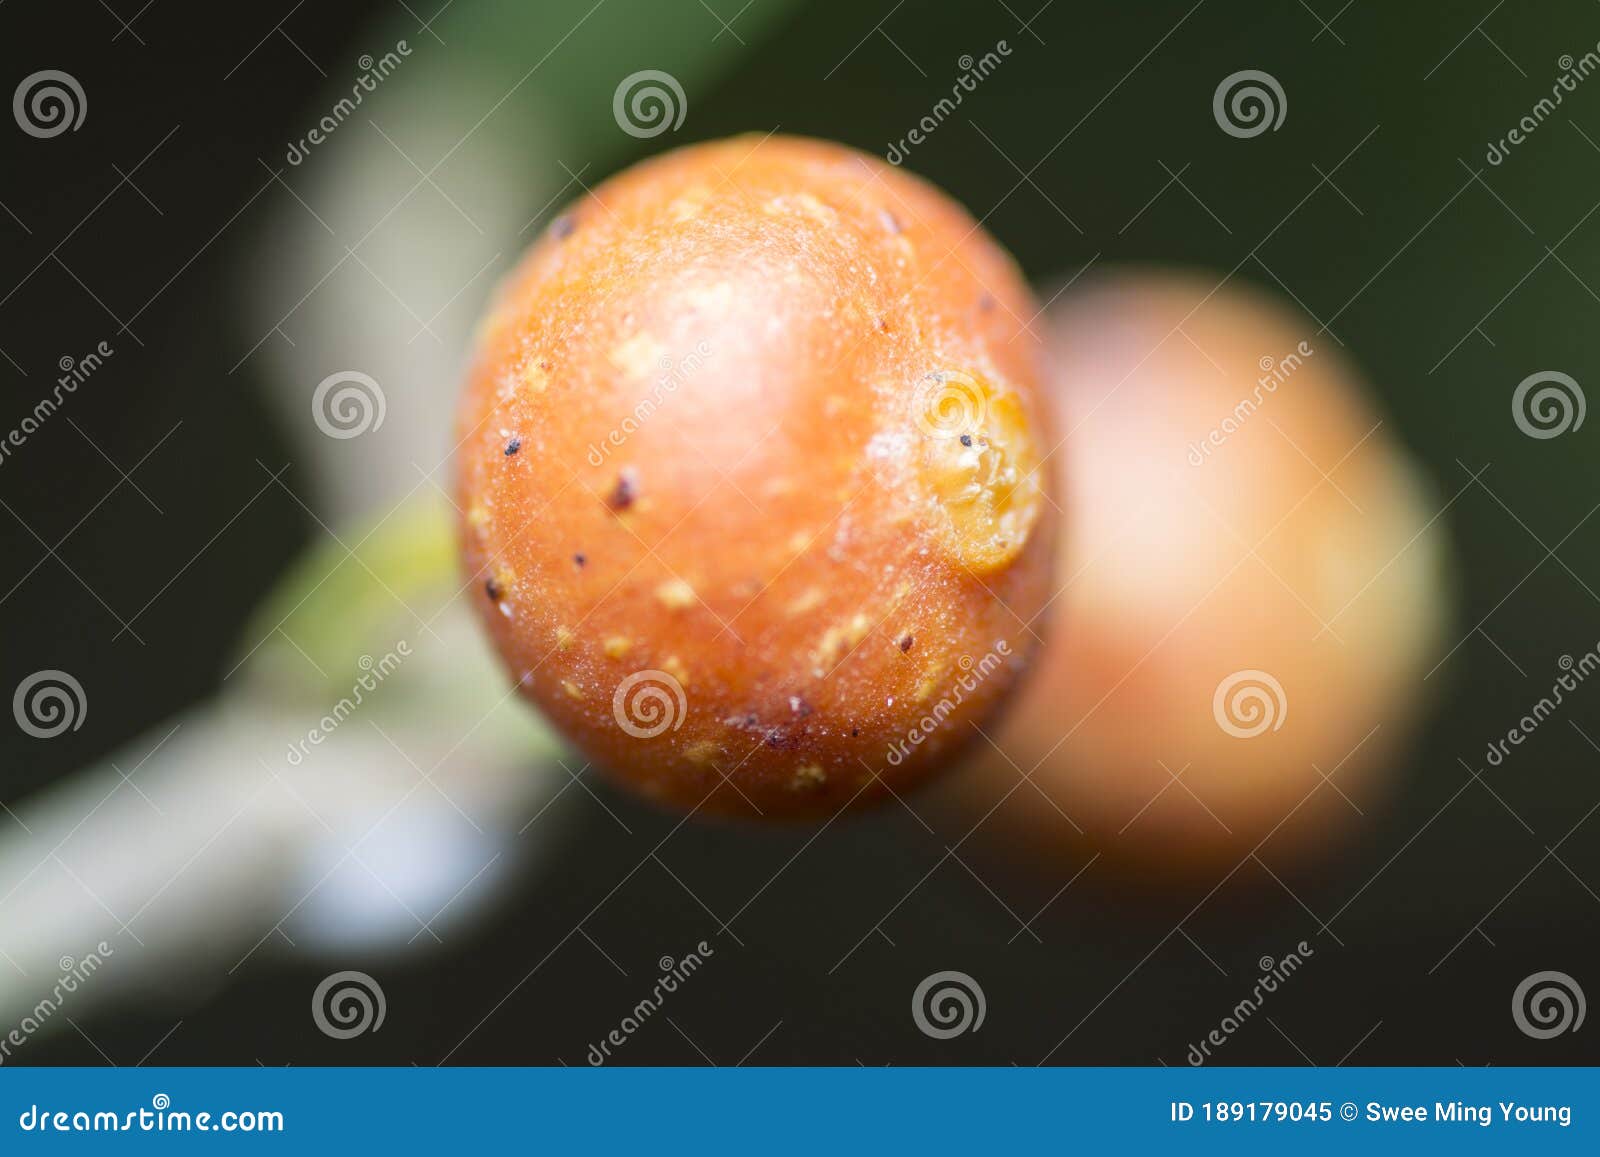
(749, 476)
(1249, 599)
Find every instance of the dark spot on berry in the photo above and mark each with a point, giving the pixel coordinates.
(563, 227)
(777, 738)
(580, 559)
(855, 731)
(492, 589)
(905, 642)
(986, 302)
(513, 446)
(625, 491)
(799, 706)
(966, 439)
(780, 739)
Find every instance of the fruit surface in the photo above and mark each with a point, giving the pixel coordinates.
(747, 468)
(1249, 599)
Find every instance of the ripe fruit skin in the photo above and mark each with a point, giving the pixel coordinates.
(1207, 543)
(746, 468)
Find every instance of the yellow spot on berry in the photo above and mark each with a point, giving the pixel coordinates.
(809, 601)
(703, 752)
(980, 464)
(675, 594)
(808, 777)
(639, 357)
(838, 641)
(806, 204)
(616, 646)
(689, 206)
